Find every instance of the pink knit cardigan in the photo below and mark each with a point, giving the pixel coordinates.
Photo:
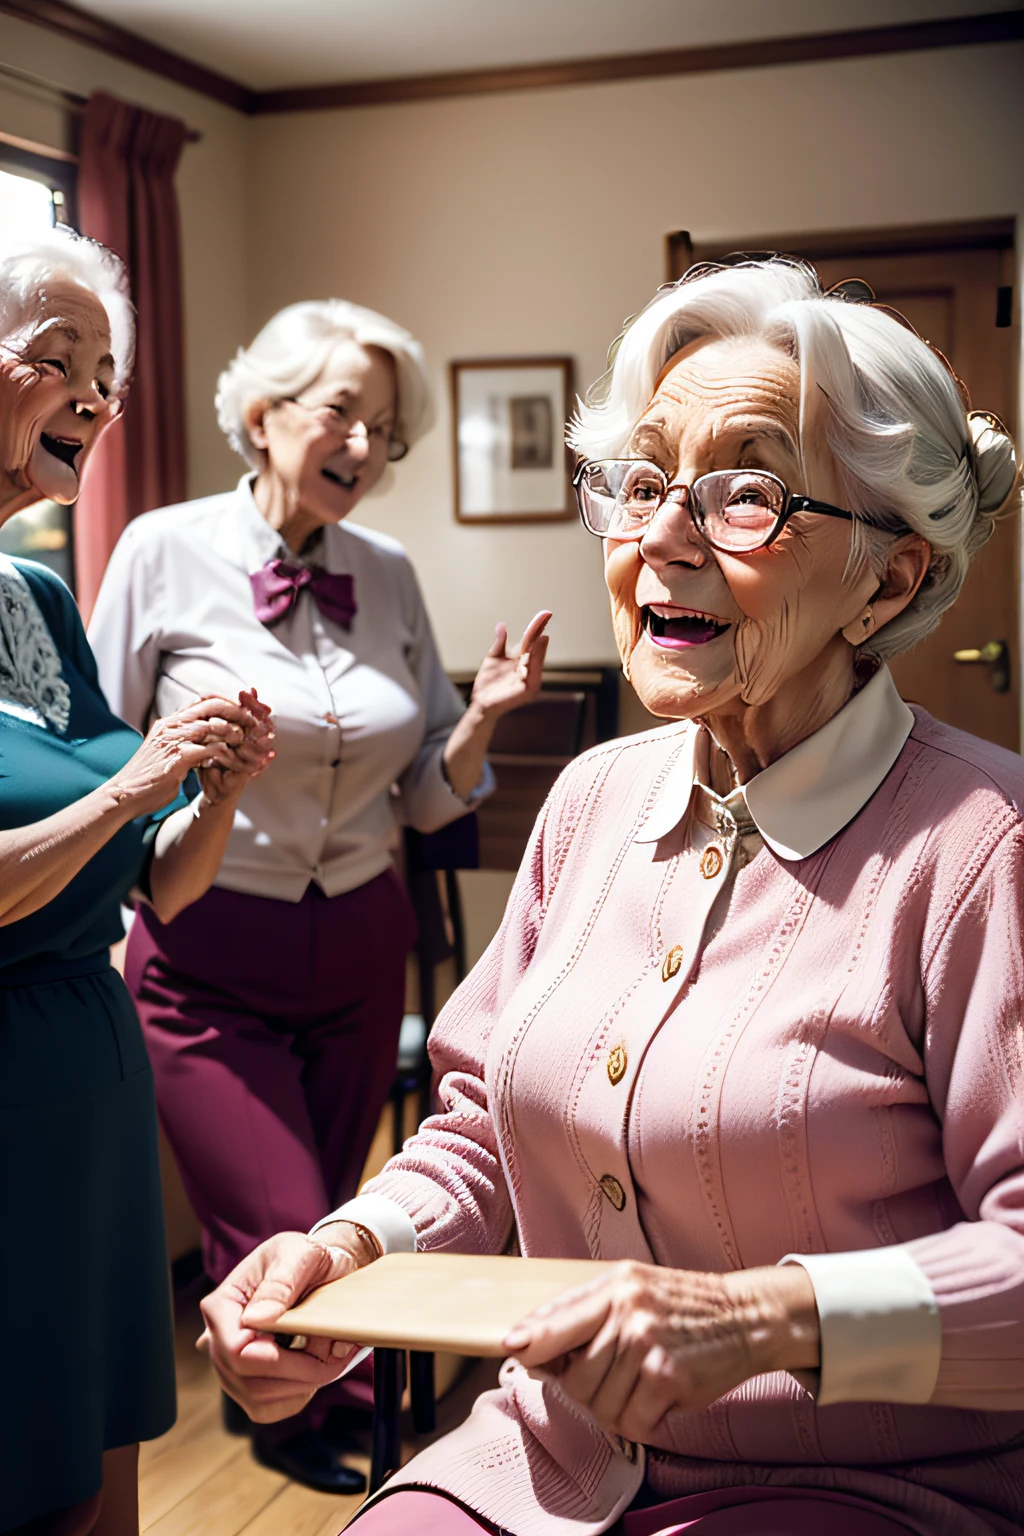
(837, 1066)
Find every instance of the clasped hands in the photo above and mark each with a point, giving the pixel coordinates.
(633, 1345)
(224, 742)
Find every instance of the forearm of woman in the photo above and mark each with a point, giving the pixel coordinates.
(39, 860)
(465, 751)
(779, 1315)
(351, 1239)
(187, 854)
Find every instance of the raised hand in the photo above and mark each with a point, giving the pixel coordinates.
(505, 682)
(254, 753)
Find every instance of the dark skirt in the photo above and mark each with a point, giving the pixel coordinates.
(88, 1351)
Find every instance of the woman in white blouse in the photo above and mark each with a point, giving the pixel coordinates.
(272, 1007)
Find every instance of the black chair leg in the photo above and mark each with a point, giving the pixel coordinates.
(421, 1391)
(388, 1383)
(451, 886)
(397, 1118)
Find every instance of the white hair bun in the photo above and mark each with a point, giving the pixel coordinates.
(995, 459)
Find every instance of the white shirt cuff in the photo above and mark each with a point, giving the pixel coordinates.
(881, 1334)
(390, 1225)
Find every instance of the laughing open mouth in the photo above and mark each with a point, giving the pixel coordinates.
(346, 485)
(66, 449)
(676, 629)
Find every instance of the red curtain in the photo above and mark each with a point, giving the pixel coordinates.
(126, 199)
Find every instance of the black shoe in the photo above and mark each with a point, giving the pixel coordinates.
(235, 1419)
(308, 1458)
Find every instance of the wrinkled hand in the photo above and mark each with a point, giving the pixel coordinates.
(28, 397)
(505, 682)
(202, 734)
(254, 753)
(642, 1340)
(269, 1381)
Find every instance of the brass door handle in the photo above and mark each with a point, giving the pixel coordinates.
(995, 655)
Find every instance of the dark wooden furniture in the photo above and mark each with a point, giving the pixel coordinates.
(577, 708)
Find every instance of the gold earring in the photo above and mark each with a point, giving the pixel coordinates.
(858, 630)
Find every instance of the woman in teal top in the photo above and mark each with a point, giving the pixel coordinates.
(89, 812)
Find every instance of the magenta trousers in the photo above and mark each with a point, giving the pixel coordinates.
(732, 1512)
(273, 1029)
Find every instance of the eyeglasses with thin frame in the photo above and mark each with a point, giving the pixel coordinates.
(342, 422)
(736, 511)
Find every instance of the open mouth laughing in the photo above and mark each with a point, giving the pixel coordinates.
(66, 449)
(347, 484)
(676, 629)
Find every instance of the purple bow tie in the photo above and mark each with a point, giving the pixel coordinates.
(277, 585)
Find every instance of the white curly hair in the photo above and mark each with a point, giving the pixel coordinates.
(910, 457)
(29, 268)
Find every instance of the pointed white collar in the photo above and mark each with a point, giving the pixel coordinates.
(801, 801)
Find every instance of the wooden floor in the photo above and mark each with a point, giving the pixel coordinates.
(200, 1481)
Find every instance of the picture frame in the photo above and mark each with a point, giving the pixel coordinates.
(510, 463)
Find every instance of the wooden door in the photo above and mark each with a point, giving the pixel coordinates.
(952, 296)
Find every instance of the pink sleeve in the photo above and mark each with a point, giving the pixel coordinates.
(974, 1064)
(449, 1177)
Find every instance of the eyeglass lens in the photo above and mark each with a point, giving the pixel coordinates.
(342, 423)
(735, 509)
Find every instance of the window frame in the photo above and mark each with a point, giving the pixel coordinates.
(60, 176)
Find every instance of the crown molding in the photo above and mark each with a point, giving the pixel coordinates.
(1001, 26)
(862, 42)
(83, 27)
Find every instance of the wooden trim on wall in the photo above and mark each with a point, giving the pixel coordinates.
(901, 240)
(997, 27)
(83, 27)
(861, 42)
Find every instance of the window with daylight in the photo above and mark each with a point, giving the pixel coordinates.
(35, 194)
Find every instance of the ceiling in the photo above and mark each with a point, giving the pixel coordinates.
(269, 44)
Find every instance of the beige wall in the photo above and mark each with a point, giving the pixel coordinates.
(535, 222)
(211, 188)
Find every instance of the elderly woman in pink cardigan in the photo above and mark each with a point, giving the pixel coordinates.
(752, 1023)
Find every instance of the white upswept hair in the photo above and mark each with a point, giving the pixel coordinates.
(908, 457)
(291, 351)
(28, 268)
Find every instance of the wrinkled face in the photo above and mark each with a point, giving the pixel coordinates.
(59, 383)
(330, 445)
(701, 632)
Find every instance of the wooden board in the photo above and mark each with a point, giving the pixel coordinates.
(431, 1301)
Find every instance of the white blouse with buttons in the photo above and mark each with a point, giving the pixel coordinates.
(362, 715)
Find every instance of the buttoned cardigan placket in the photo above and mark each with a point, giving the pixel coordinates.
(720, 839)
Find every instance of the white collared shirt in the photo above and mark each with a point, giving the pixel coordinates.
(880, 1330)
(362, 715)
(807, 796)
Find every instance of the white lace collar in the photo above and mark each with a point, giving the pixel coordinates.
(32, 685)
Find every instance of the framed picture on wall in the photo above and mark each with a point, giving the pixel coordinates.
(508, 439)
